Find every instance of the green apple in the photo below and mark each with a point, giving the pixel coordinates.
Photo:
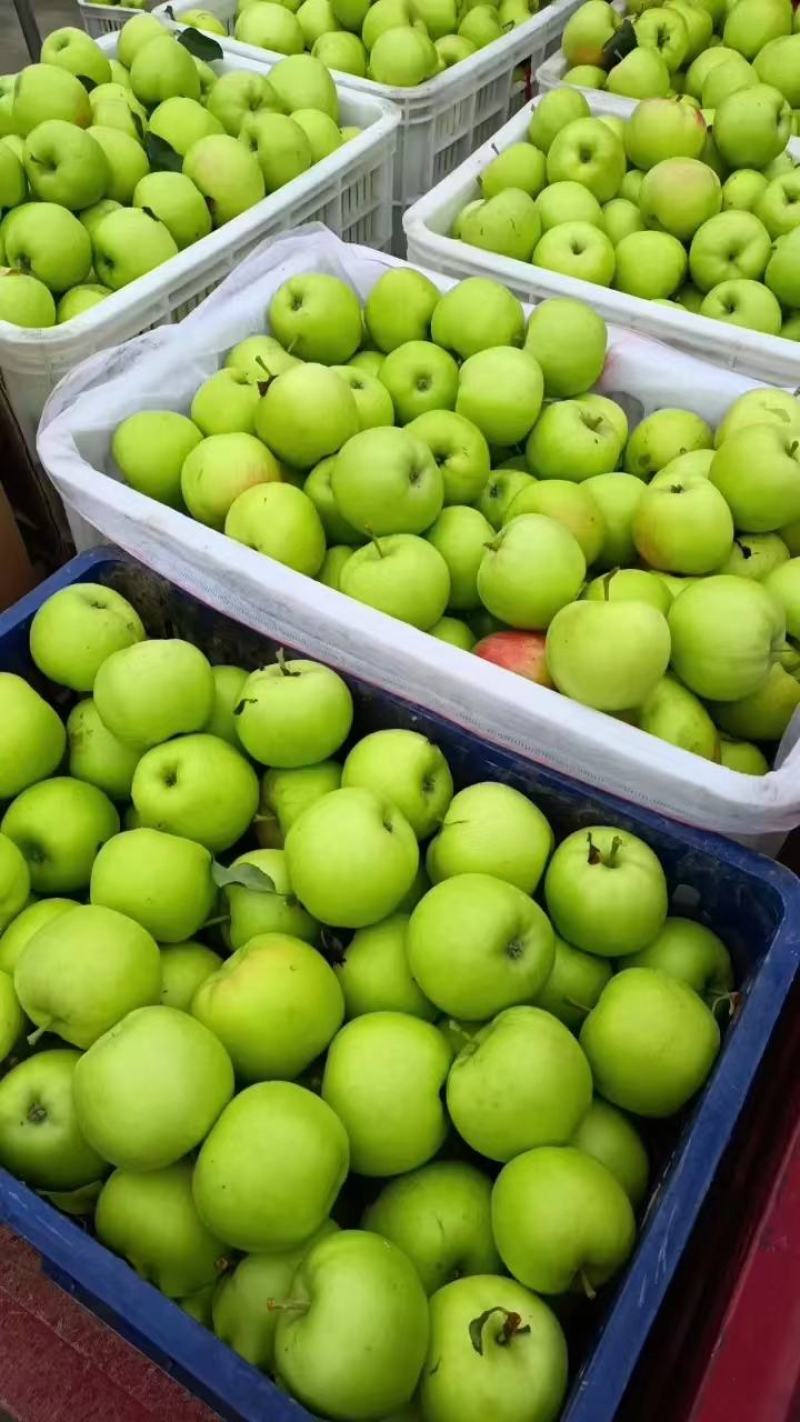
(128, 244)
(64, 165)
(260, 358)
(46, 241)
(34, 739)
(726, 79)
(373, 401)
(660, 129)
(691, 952)
(569, 504)
(59, 825)
(176, 202)
(744, 303)
(461, 534)
(24, 300)
(149, 449)
(73, 50)
(81, 298)
(778, 207)
(237, 95)
(501, 392)
(223, 404)
(385, 481)
(575, 439)
(561, 1220)
(40, 1139)
(765, 714)
(453, 631)
(783, 581)
(661, 437)
(354, 1295)
(678, 195)
(150, 1089)
(743, 189)
(319, 489)
(405, 768)
(577, 249)
(12, 1024)
(673, 714)
(149, 1217)
(475, 314)
(772, 499)
(82, 972)
(303, 82)
(181, 122)
(274, 1005)
(620, 218)
(402, 575)
(517, 1364)
(752, 126)
(184, 966)
(683, 525)
(199, 787)
(293, 713)
(608, 1136)
(667, 33)
(257, 909)
(651, 1042)
(725, 633)
(481, 24)
(742, 757)
(782, 271)
(756, 555)
(77, 628)
(281, 418)
(641, 74)
(440, 1216)
(574, 985)
(163, 69)
(243, 1306)
(318, 317)
(203, 20)
(127, 162)
(587, 76)
(552, 112)
(565, 202)
(114, 106)
(504, 583)
(95, 755)
(630, 585)
(529, 1049)
(23, 927)
(755, 23)
(500, 491)
(493, 829)
(699, 24)
(399, 308)
(776, 63)
(477, 944)
(419, 376)
(344, 52)
(617, 496)
(270, 26)
(650, 264)
(374, 973)
(227, 174)
(134, 34)
(507, 225)
(394, 1121)
(403, 57)
(568, 339)
(588, 152)
(48, 91)
(588, 31)
(222, 467)
(148, 692)
(161, 881)
(522, 166)
(605, 891)
(15, 882)
(271, 1167)
(352, 857)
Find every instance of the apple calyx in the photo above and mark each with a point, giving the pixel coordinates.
(512, 1327)
(36, 1113)
(596, 856)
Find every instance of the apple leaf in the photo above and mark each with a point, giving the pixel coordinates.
(201, 45)
(162, 155)
(619, 45)
(75, 1202)
(247, 876)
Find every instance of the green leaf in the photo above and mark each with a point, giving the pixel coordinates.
(161, 154)
(247, 876)
(75, 1202)
(619, 45)
(201, 45)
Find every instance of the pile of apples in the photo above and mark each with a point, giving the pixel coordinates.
(355, 1099)
(460, 474)
(702, 49)
(657, 205)
(402, 43)
(109, 167)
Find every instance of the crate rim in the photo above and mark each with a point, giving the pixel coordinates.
(665, 1232)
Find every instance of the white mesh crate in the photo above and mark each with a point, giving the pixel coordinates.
(429, 223)
(350, 191)
(98, 20)
(446, 119)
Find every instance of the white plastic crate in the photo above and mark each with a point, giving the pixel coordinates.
(429, 222)
(163, 368)
(350, 191)
(98, 20)
(446, 119)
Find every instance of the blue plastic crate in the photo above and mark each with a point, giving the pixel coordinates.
(753, 903)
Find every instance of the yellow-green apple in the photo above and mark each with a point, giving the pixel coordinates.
(293, 713)
(148, 692)
(461, 535)
(650, 264)
(782, 271)
(235, 97)
(96, 755)
(281, 416)
(40, 1139)
(501, 392)
(568, 202)
(630, 585)
(659, 129)
(177, 203)
(149, 449)
(605, 891)
(134, 34)
(218, 469)
(399, 308)
(59, 825)
(459, 449)
(385, 481)
(184, 966)
(286, 793)
(665, 31)
(742, 757)
(128, 244)
(607, 1135)
(778, 207)
(661, 437)
(72, 49)
(588, 31)
(375, 976)
(522, 166)
(617, 496)
(162, 68)
(343, 51)
(226, 402)
(493, 829)
(576, 981)
(743, 189)
(688, 950)
(569, 504)
(22, 928)
(227, 174)
(401, 575)
(620, 218)
(744, 303)
(407, 769)
(48, 91)
(34, 739)
(419, 376)
(553, 111)
(128, 164)
(765, 714)
(453, 631)
(757, 470)
(262, 901)
(46, 241)
(674, 714)
(24, 300)
(568, 340)
(64, 165)
(502, 487)
(776, 64)
(756, 555)
(373, 401)
(678, 195)
(162, 881)
(475, 314)
(149, 1217)
(440, 1216)
(181, 122)
(197, 786)
(755, 24)
(504, 584)
(507, 225)
(318, 317)
(726, 632)
(303, 82)
(270, 26)
(574, 439)
(588, 152)
(77, 628)
(752, 126)
(683, 525)
(641, 74)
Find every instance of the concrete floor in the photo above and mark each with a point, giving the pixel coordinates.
(48, 15)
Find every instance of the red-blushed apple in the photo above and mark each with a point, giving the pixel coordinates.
(519, 652)
(606, 892)
(651, 1042)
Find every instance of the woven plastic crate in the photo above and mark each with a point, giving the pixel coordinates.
(753, 904)
(99, 20)
(350, 191)
(429, 222)
(445, 120)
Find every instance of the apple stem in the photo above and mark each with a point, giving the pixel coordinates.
(596, 856)
(511, 1327)
(283, 665)
(616, 845)
(288, 1306)
(33, 1037)
(220, 918)
(586, 1285)
(581, 1006)
(378, 548)
(730, 1001)
(607, 584)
